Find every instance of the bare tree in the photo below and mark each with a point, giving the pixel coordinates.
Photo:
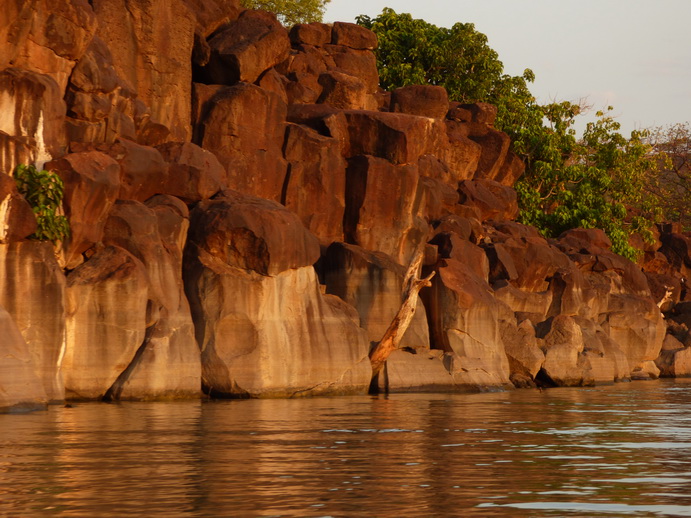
(412, 284)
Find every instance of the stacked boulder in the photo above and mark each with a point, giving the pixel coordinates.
(244, 199)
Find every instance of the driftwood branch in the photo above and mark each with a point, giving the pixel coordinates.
(412, 284)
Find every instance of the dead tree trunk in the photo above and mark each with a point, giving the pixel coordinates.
(412, 285)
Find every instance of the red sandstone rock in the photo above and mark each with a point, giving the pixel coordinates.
(528, 264)
(154, 65)
(373, 283)
(439, 198)
(495, 147)
(358, 63)
(33, 116)
(466, 228)
(464, 319)
(511, 170)
(522, 350)
(353, 36)
(92, 184)
(452, 246)
(495, 201)
(424, 100)
(45, 37)
(21, 388)
(342, 91)
(586, 238)
(211, 14)
(32, 290)
(482, 113)
(315, 184)
(246, 47)
(382, 207)
(143, 172)
(316, 34)
(244, 126)
(302, 69)
(272, 81)
(251, 233)
(396, 137)
(677, 249)
(194, 173)
(462, 154)
(17, 220)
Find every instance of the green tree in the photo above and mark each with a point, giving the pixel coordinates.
(291, 12)
(567, 183)
(43, 190)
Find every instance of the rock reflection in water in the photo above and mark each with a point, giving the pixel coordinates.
(621, 449)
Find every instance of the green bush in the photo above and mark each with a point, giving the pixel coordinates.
(44, 190)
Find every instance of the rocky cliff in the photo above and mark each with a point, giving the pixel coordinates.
(243, 201)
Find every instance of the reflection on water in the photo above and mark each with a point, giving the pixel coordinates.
(622, 450)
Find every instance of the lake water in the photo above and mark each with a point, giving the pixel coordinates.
(621, 450)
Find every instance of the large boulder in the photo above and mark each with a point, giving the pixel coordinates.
(92, 184)
(397, 137)
(383, 207)
(143, 172)
(316, 181)
(128, 298)
(194, 174)
(17, 219)
(465, 320)
(253, 234)
(244, 126)
(263, 325)
(424, 100)
(45, 37)
(244, 48)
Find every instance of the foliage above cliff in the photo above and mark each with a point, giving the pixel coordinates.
(568, 183)
(672, 183)
(291, 12)
(43, 190)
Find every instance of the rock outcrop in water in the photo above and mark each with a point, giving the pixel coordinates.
(243, 202)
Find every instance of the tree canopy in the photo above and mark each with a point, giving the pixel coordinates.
(592, 182)
(671, 183)
(291, 12)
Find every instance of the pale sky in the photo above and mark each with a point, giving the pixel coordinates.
(632, 54)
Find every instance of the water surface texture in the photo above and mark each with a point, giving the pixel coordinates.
(621, 450)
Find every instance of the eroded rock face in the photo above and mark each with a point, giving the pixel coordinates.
(379, 192)
(32, 291)
(262, 323)
(153, 64)
(243, 49)
(244, 126)
(129, 297)
(92, 183)
(17, 220)
(31, 128)
(107, 300)
(46, 37)
(373, 284)
(316, 182)
(21, 387)
(465, 321)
